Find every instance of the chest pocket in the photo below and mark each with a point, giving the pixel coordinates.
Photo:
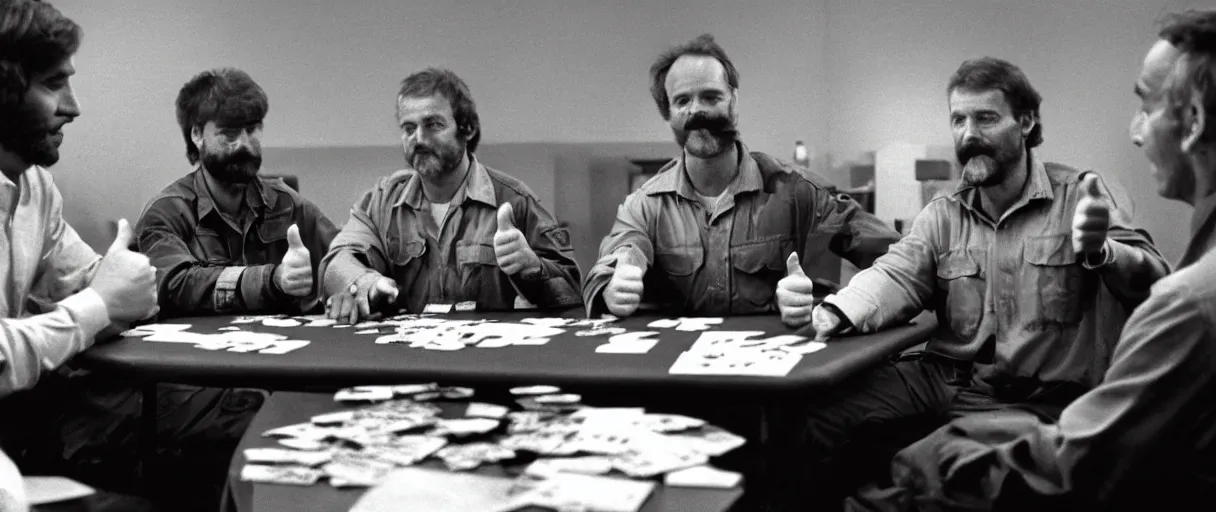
(676, 269)
(406, 257)
(1052, 279)
(210, 246)
(959, 276)
(272, 232)
(758, 266)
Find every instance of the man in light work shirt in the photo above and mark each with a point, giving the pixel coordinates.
(223, 239)
(1029, 265)
(716, 230)
(1143, 439)
(448, 229)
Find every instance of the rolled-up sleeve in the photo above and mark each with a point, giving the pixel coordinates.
(187, 285)
(629, 241)
(900, 283)
(357, 251)
(557, 283)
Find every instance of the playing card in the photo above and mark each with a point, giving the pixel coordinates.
(368, 331)
(466, 306)
(180, 337)
(149, 329)
(306, 431)
(282, 347)
(229, 328)
(357, 468)
(601, 331)
(280, 322)
(587, 465)
(249, 346)
(414, 389)
(464, 426)
(534, 390)
(572, 491)
(559, 399)
(464, 457)
(291, 475)
(769, 363)
(669, 422)
(540, 442)
(302, 444)
(437, 308)
(456, 392)
(710, 440)
(364, 394)
(282, 456)
(484, 410)
(651, 463)
(333, 418)
(528, 421)
(703, 476)
(408, 450)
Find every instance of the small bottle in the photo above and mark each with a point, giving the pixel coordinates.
(800, 154)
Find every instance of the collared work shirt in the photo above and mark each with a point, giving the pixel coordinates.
(391, 233)
(727, 260)
(1143, 439)
(206, 264)
(49, 313)
(1011, 295)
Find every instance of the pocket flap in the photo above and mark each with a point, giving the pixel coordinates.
(405, 250)
(1050, 250)
(957, 263)
(757, 257)
(473, 253)
(680, 261)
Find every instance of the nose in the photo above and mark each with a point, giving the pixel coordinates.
(69, 105)
(1136, 130)
(970, 131)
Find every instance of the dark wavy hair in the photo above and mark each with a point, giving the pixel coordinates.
(702, 45)
(227, 96)
(34, 36)
(431, 81)
(990, 73)
(1194, 34)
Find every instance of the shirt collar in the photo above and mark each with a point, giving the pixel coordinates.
(748, 179)
(477, 186)
(256, 197)
(1038, 185)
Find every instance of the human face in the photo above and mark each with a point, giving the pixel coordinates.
(230, 153)
(988, 139)
(34, 132)
(432, 142)
(1156, 129)
(703, 115)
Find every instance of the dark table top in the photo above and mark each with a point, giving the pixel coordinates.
(340, 357)
(288, 408)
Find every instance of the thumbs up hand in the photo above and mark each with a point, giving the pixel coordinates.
(794, 294)
(624, 292)
(294, 273)
(1091, 220)
(510, 247)
(125, 280)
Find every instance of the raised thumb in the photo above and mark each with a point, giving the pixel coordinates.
(793, 266)
(506, 217)
(293, 238)
(122, 239)
(1089, 186)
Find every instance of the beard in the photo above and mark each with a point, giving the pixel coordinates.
(706, 135)
(434, 160)
(31, 138)
(985, 165)
(240, 166)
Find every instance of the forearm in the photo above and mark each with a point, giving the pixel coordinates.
(31, 346)
(341, 269)
(553, 285)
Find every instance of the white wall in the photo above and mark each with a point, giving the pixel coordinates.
(540, 70)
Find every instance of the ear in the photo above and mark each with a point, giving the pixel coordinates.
(468, 131)
(196, 136)
(1028, 122)
(1194, 124)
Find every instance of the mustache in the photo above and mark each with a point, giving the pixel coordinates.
(711, 123)
(968, 151)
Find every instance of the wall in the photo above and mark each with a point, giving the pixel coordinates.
(540, 70)
(889, 62)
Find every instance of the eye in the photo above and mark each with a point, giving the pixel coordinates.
(680, 101)
(989, 118)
